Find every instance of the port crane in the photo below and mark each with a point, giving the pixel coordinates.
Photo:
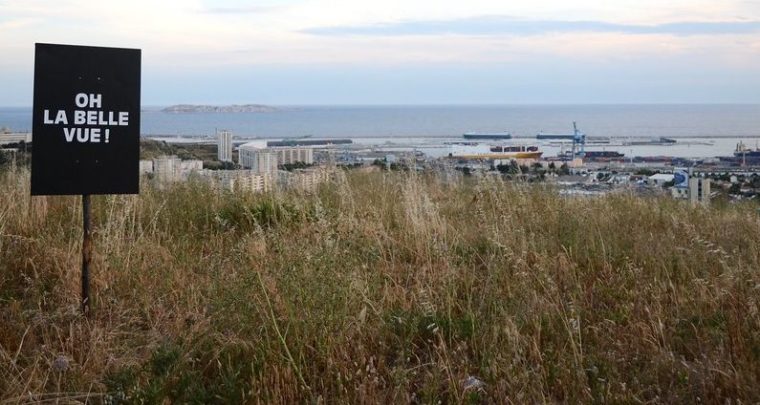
(578, 139)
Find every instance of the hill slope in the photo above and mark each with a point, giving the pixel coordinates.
(380, 288)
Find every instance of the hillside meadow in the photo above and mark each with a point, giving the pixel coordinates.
(379, 288)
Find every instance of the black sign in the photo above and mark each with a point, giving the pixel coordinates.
(86, 120)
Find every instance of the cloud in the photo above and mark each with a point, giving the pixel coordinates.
(244, 7)
(240, 10)
(16, 23)
(499, 25)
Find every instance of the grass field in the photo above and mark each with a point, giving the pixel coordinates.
(379, 288)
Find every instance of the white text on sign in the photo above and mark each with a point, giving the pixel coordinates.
(89, 118)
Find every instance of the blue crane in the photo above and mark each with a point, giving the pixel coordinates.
(579, 138)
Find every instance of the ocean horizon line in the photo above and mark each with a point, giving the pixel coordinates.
(148, 107)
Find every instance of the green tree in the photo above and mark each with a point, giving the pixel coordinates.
(4, 158)
(227, 165)
(296, 165)
(465, 170)
(754, 181)
(735, 189)
(511, 168)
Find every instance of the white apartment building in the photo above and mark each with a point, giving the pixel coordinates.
(14, 137)
(170, 169)
(224, 146)
(188, 166)
(293, 155)
(146, 166)
(699, 190)
(304, 180)
(166, 169)
(252, 156)
(237, 180)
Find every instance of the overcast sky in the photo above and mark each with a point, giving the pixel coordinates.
(405, 51)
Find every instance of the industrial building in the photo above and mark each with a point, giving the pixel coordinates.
(660, 179)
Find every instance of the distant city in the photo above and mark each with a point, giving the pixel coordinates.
(665, 142)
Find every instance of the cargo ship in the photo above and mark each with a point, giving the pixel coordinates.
(649, 141)
(599, 156)
(545, 136)
(743, 151)
(487, 135)
(742, 155)
(577, 136)
(485, 151)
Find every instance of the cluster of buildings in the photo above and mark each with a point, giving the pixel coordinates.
(242, 181)
(684, 185)
(9, 137)
(681, 184)
(260, 168)
(10, 142)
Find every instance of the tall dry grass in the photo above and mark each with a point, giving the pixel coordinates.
(385, 288)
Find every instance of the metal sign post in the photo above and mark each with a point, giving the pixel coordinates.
(86, 254)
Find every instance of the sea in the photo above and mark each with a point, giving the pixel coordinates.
(701, 130)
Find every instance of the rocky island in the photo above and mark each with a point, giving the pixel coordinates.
(235, 108)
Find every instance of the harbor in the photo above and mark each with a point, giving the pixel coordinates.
(581, 160)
